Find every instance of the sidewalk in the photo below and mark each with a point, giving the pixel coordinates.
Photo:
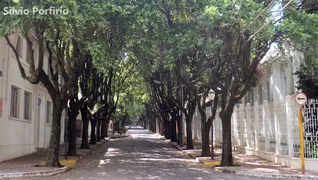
(25, 166)
(249, 165)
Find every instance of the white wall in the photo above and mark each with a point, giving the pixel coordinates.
(269, 127)
(19, 137)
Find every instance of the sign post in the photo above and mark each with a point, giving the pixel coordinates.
(301, 100)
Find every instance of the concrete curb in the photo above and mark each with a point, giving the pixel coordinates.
(180, 149)
(264, 175)
(118, 137)
(50, 172)
(91, 150)
(35, 174)
(248, 173)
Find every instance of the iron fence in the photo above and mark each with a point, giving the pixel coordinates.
(270, 127)
(310, 114)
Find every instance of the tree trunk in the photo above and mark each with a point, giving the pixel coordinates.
(153, 123)
(174, 130)
(106, 126)
(98, 130)
(180, 131)
(205, 140)
(161, 127)
(189, 134)
(93, 127)
(72, 114)
(225, 115)
(84, 144)
(227, 158)
(168, 128)
(103, 129)
(52, 159)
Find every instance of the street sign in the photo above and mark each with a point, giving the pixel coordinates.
(301, 99)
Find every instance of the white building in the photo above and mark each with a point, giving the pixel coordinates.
(25, 109)
(279, 81)
(265, 124)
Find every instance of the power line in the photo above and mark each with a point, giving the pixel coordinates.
(259, 15)
(268, 21)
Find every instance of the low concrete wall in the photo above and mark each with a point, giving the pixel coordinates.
(13, 151)
(310, 164)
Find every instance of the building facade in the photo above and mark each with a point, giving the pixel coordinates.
(265, 122)
(25, 109)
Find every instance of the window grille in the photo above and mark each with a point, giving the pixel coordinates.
(310, 113)
(48, 112)
(14, 110)
(27, 105)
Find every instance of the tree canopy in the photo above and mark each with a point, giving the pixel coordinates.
(157, 59)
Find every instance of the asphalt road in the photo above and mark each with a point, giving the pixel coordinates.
(141, 156)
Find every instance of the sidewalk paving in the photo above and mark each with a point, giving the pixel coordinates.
(25, 166)
(250, 165)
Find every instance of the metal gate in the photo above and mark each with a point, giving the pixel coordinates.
(310, 114)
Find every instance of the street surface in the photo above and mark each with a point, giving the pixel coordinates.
(141, 156)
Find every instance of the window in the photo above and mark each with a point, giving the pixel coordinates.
(14, 111)
(27, 105)
(48, 112)
(30, 54)
(19, 46)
